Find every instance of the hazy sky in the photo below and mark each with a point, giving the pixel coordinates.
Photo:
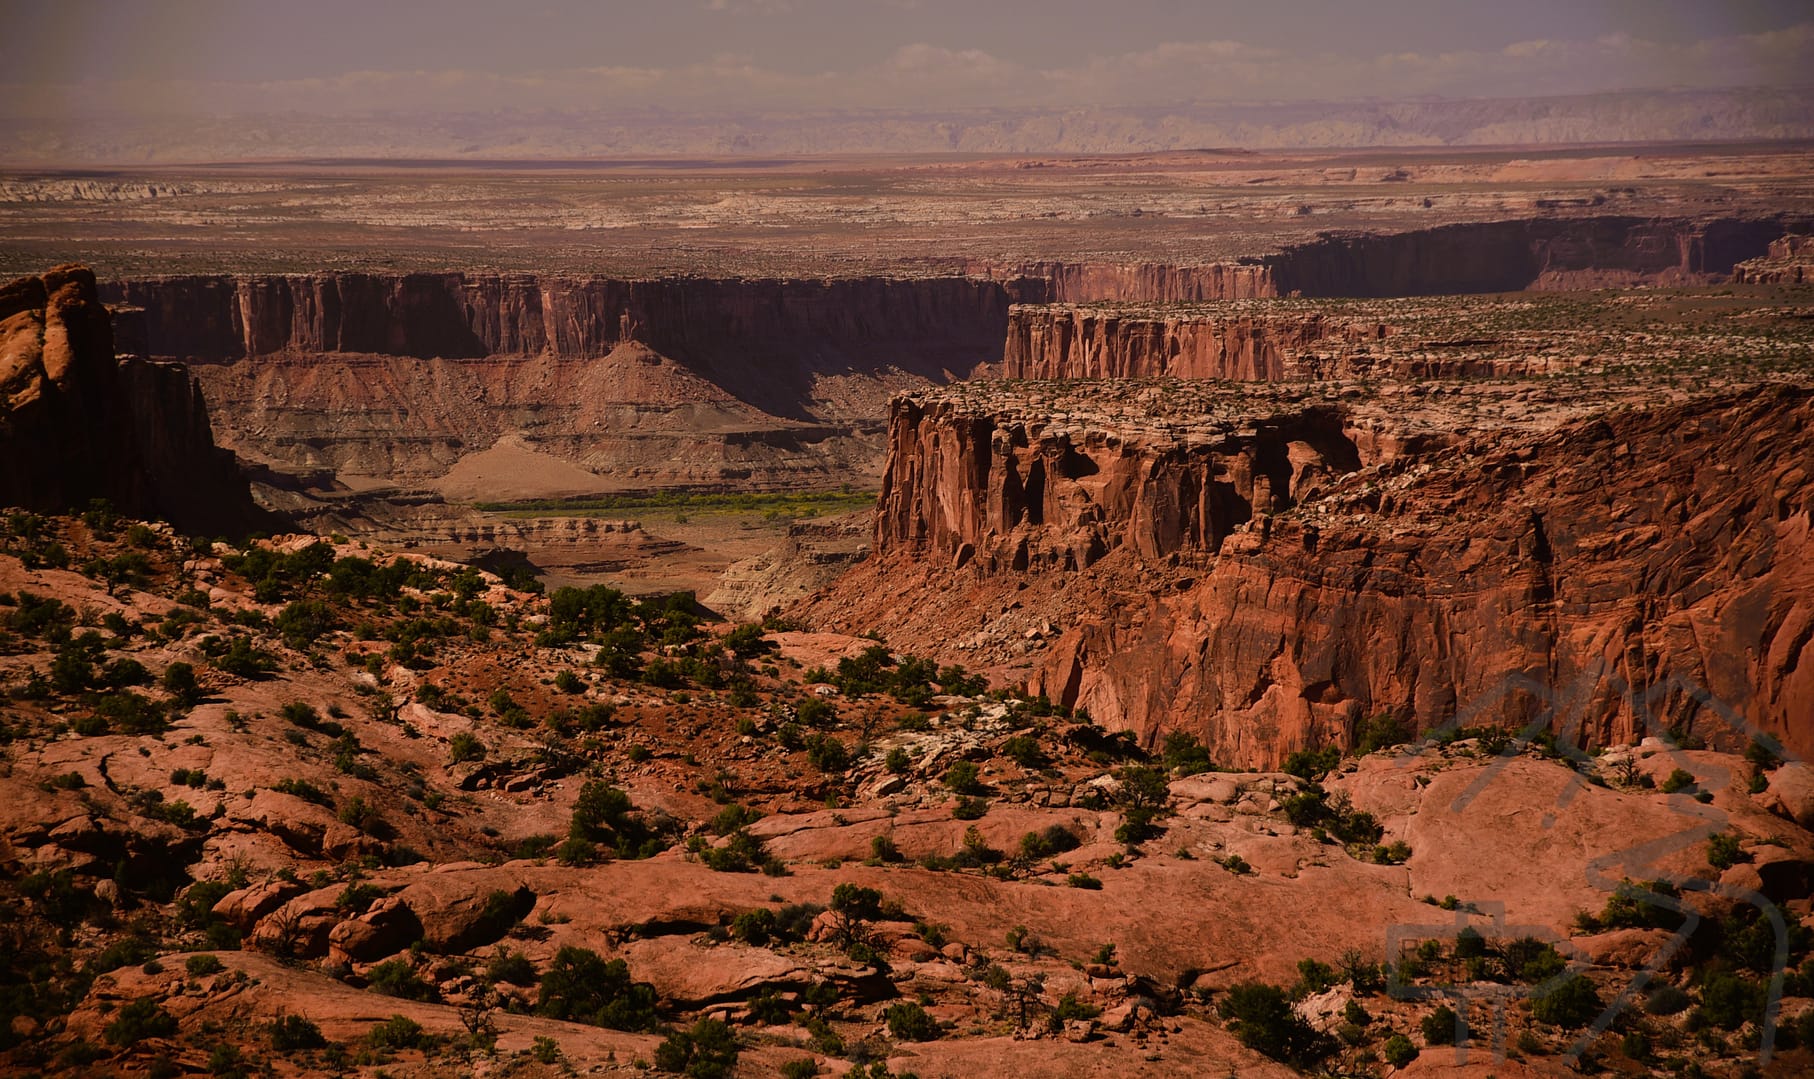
(64, 58)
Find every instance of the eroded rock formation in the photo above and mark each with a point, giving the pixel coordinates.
(76, 424)
(1789, 261)
(1268, 568)
(1048, 342)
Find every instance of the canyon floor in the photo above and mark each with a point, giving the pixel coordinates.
(1207, 613)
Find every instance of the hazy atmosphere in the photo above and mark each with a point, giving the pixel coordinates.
(585, 79)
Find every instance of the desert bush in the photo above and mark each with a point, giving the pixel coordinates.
(1438, 1028)
(396, 978)
(139, 1020)
(911, 1023)
(397, 1032)
(1265, 1022)
(465, 746)
(581, 987)
(1184, 755)
(706, 1050)
(1571, 1002)
(1724, 852)
(292, 1032)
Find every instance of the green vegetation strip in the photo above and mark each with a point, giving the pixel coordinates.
(776, 503)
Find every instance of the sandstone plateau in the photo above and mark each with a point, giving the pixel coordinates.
(1197, 613)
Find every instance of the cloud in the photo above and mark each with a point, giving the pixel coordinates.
(751, 7)
(921, 76)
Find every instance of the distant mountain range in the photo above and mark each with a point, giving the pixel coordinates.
(1633, 116)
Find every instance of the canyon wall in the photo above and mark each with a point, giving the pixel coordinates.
(375, 379)
(398, 379)
(762, 340)
(1269, 586)
(1550, 252)
(1789, 261)
(1055, 342)
(77, 424)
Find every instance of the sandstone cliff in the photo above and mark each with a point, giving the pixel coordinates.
(399, 378)
(1552, 252)
(1267, 568)
(76, 424)
(762, 340)
(1789, 261)
(1050, 342)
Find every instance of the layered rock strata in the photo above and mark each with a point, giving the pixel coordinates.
(1269, 567)
(1550, 253)
(1789, 261)
(643, 383)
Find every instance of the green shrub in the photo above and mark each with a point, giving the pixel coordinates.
(1439, 1027)
(581, 987)
(1025, 751)
(855, 903)
(707, 1050)
(740, 853)
(1185, 755)
(911, 1023)
(1667, 1000)
(1312, 763)
(362, 815)
(968, 808)
(754, 926)
(1044, 844)
(1724, 852)
(305, 621)
(1642, 905)
(512, 968)
(397, 1032)
(964, 777)
(1314, 976)
(293, 1032)
(396, 978)
(1399, 1051)
(1678, 780)
(200, 966)
(302, 788)
(816, 712)
(1729, 1001)
(141, 1019)
(1263, 1019)
(1530, 960)
(827, 754)
(1381, 732)
(465, 746)
(1570, 1003)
